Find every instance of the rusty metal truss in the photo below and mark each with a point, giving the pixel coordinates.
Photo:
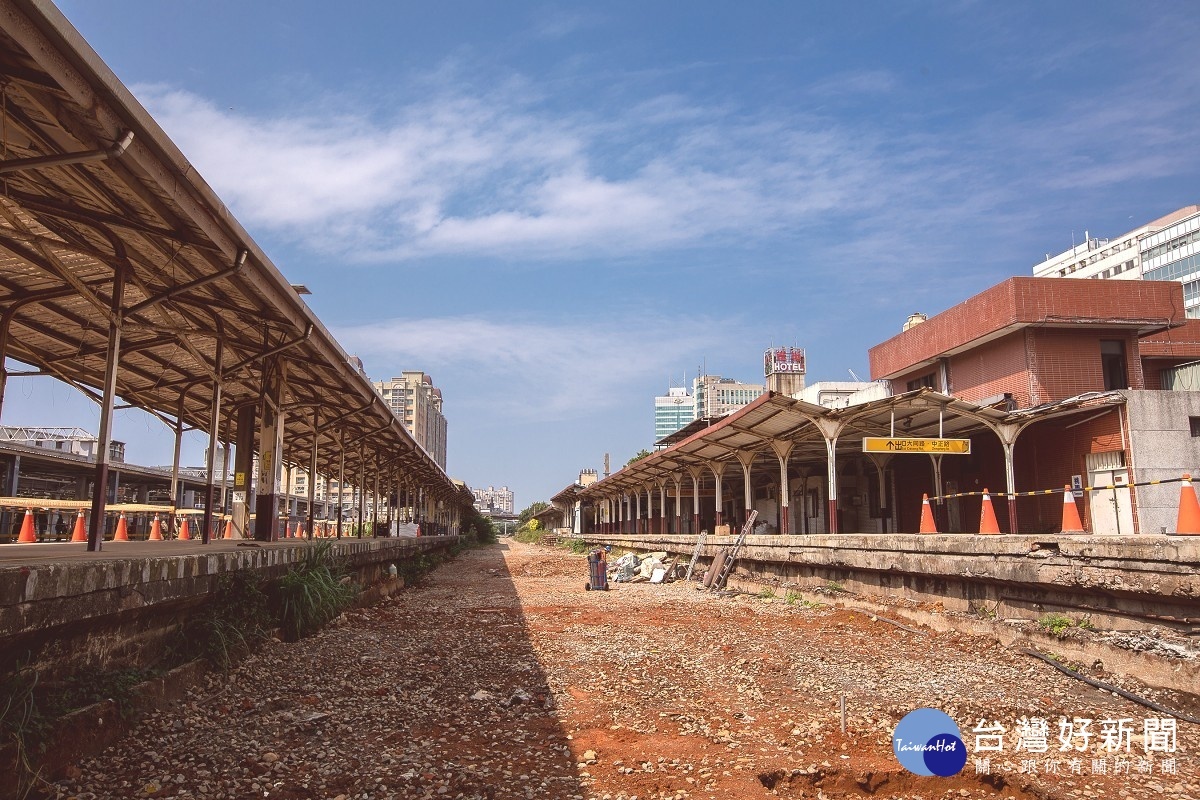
(97, 202)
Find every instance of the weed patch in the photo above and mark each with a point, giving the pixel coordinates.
(313, 592)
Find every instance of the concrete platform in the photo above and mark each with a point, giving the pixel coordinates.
(60, 602)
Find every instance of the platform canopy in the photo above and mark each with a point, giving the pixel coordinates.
(778, 421)
(95, 202)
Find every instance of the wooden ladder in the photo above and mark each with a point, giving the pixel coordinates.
(726, 568)
(696, 553)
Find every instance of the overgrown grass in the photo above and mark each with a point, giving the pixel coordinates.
(30, 710)
(414, 568)
(235, 621)
(576, 545)
(23, 725)
(313, 592)
(766, 593)
(1060, 624)
(529, 536)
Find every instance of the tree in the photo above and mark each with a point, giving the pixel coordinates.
(478, 526)
(534, 508)
(638, 456)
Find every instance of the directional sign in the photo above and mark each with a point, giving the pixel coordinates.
(878, 444)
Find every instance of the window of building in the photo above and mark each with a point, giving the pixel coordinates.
(923, 382)
(1112, 360)
(1195, 422)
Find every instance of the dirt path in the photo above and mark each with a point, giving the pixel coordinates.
(500, 677)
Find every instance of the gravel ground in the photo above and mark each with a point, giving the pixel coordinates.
(500, 677)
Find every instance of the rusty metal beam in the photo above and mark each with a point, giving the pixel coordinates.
(65, 159)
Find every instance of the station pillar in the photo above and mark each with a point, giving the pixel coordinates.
(243, 467)
(270, 456)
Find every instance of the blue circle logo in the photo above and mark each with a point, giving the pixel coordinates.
(927, 742)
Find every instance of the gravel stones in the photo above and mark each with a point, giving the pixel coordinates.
(500, 677)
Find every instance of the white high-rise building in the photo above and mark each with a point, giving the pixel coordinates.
(1173, 254)
(493, 500)
(672, 411)
(415, 400)
(1166, 249)
(715, 396)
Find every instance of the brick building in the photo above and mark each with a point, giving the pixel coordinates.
(1099, 350)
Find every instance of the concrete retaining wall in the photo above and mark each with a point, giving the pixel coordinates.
(1123, 583)
(71, 610)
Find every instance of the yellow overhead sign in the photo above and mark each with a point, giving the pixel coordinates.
(878, 444)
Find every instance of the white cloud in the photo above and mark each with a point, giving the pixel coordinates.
(507, 173)
(529, 370)
(457, 174)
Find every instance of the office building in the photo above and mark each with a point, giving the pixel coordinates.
(715, 396)
(1166, 249)
(494, 501)
(672, 411)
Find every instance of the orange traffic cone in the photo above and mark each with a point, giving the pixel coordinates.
(1071, 522)
(987, 516)
(156, 530)
(27, 534)
(927, 523)
(1188, 521)
(228, 528)
(184, 533)
(80, 532)
(121, 534)
(299, 532)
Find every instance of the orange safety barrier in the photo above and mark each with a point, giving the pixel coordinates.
(80, 532)
(987, 516)
(1188, 521)
(1071, 523)
(927, 523)
(27, 535)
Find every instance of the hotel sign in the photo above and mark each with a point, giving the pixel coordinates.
(879, 444)
(783, 359)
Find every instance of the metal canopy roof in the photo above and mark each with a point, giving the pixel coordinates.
(778, 419)
(91, 188)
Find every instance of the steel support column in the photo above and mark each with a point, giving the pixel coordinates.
(312, 475)
(783, 451)
(830, 430)
(104, 443)
(213, 440)
(718, 471)
(362, 486)
(943, 518)
(375, 501)
(695, 473)
(747, 462)
(341, 484)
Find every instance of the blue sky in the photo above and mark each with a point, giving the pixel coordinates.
(557, 210)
